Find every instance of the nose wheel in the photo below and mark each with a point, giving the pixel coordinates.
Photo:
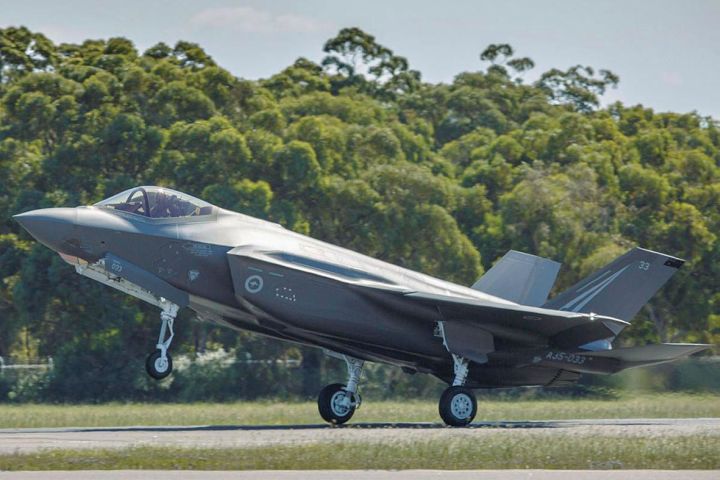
(157, 366)
(159, 363)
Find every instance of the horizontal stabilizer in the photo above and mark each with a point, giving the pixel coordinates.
(649, 354)
(621, 288)
(521, 278)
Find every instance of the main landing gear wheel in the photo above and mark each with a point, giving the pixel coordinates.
(336, 404)
(458, 406)
(157, 366)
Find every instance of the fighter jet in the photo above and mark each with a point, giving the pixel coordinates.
(176, 251)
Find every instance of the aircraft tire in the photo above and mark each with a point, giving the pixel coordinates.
(458, 406)
(328, 406)
(154, 367)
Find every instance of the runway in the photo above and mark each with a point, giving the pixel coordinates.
(35, 439)
(370, 475)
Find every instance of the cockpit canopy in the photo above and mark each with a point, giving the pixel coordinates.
(157, 202)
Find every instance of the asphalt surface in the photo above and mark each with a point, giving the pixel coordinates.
(373, 475)
(34, 439)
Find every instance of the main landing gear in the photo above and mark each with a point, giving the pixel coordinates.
(337, 402)
(159, 362)
(458, 404)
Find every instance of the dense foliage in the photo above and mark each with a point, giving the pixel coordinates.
(358, 151)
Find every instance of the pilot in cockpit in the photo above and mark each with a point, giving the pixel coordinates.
(165, 205)
(162, 205)
(169, 205)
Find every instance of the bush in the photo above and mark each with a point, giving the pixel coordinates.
(29, 387)
(230, 375)
(97, 371)
(5, 387)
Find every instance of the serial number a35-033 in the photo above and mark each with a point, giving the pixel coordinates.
(565, 357)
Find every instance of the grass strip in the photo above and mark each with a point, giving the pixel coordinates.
(546, 452)
(287, 413)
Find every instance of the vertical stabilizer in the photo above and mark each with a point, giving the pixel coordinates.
(621, 288)
(521, 278)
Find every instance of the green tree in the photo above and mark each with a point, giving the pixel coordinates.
(354, 53)
(23, 52)
(359, 151)
(577, 86)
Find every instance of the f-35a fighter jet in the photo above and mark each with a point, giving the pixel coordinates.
(176, 251)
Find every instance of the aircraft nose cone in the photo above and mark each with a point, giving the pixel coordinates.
(50, 226)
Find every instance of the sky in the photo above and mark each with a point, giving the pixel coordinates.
(667, 53)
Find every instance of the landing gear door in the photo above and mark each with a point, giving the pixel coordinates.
(468, 341)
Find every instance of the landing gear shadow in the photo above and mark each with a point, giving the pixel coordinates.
(325, 426)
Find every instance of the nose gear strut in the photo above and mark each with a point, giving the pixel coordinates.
(159, 362)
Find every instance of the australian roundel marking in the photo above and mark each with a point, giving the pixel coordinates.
(254, 283)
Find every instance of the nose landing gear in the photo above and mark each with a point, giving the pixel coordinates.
(159, 362)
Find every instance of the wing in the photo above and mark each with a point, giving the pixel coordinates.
(523, 323)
